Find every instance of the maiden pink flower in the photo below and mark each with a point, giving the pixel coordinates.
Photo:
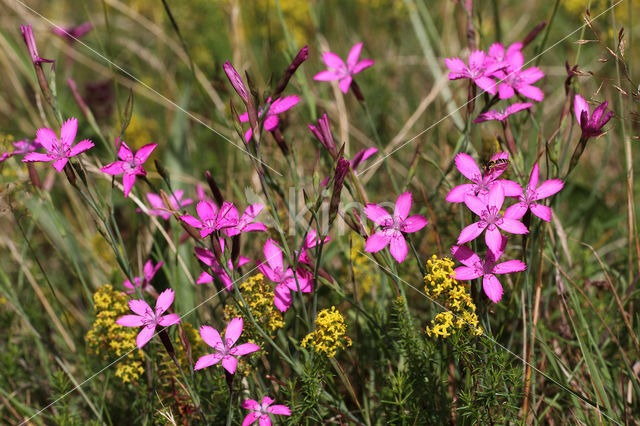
(479, 70)
(504, 114)
(271, 121)
(591, 125)
(482, 182)
(159, 209)
(487, 268)
(310, 242)
(498, 55)
(262, 410)
(490, 219)
(225, 351)
(209, 259)
(130, 165)
(21, 147)
(149, 271)
(391, 228)
(59, 150)
(212, 218)
(247, 221)
(533, 193)
(338, 70)
(148, 319)
(286, 280)
(514, 79)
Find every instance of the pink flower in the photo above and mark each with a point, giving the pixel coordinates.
(147, 318)
(286, 280)
(490, 219)
(159, 209)
(149, 271)
(323, 132)
(21, 147)
(59, 150)
(514, 79)
(247, 221)
(361, 156)
(271, 120)
(482, 182)
(310, 242)
(212, 219)
(262, 410)
(338, 70)
(533, 193)
(209, 259)
(502, 115)
(29, 39)
(591, 125)
(70, 34)
(487, 268)
(391, 228)
(130, 165)
(479, 70)
(498, 55)
(224, 351)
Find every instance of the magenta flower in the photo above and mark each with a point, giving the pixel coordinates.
(70, 34)
(149, 271)
(310, 242)
(21, 147)
(323, 132)
(591, 125)
(504, 114)
(147, 318)
(59, 150)
(159, 209)
(212, 218)
(286, 280)
(262, 411)
(271, 120)
(487, 268)
(247, 221)
(490, 219)
(338, 70)
(130, 165)
(482, 182)
(361, 156)
(209, 259)
(29, 39)
(391, 228)
(498, 55)
(533, 193)
(514, 79)
(224, 351)
(479, 70)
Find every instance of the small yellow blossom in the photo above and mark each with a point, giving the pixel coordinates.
(329, 335)
(442, 287)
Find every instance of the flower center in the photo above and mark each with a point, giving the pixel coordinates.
(492, 216)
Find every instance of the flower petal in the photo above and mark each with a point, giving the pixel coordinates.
(168, 320)
(398, 247)
(273, 254)
(233, 331)
(516, 211)
(250, 404)
(251, 417)
(508, 267)
(124, 152)
(492, 288)
(130, 321)
(229, 363)
(403, 205)
(475, 204)
(207, 210)
(80, 147)
(344, 84)
(207, 361)
(192, 221)
(128, 180)
(543, 212)
(464, 273)
(211, 337)
(245, 348)
(413, 223)
(580, 105)
(36, 156)
(282, 297)
(164, 301)
(354, 55)
(113, 168)
(283, 104)
(327, 75)
(531, 92)
(144, 153)
(470, 232)
(465, 255)
(513, 226)
(68, 132)
(362, 65)
(48, 139)
(279, 409)
(468, 167)
(139, 306)
(333, 61)
(376, 242)
(493, 238)
(456, 195)
(549, 188)
(145, 335)
(377, 214)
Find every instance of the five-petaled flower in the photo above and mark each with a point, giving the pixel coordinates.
(149, 271)
(487, 268)
(130, 165)
(59, 150)
(490, 219)
(338, 70)
(533, 193)
(514, 79)
(212, 218)
(271, 121)
(480, 71)
(286, 280)
(148, 319)
(21, 147)
(224, 350)
(261, 411)
(247, 221)
(591, 124)
(391, 228)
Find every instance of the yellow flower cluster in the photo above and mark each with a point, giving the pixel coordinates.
(258, 295)
(108, 339)
(442, 287)
(329, 335)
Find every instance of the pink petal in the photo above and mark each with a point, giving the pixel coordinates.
(513, 226)
(244, 349)
(470, 232)
(251, 404)
(327, 75)
(282, 298)
(354, 54)
(403, 205)
(229, 363)
(466, 273)
(398, 248)
(48, 139)
(190, 220)
(113, 168)
(580, 105)
(333, 61)
(465, 255)
(456, 195)
(493, 238)
(273, 255)
(543, 212)
(510, 188)
(145, 335)
(345, 83)
(233, 331)
(496, 50)
(468, 167)
(251, 418)
(264, 420)
(243, 117)
(271, 122)
(204, 278)
(457, 67)
(477, 59)
(377, 214)
(227, 216)
(376, 242)
(80, 147)
(128, 179)
(283, 104)
(207, 361)
(492, 288)
(130, 321)
(206, 210)
(257, 226)
(531, 75)
(164, 301)
(139, 307)
(144, 153)
(59, 164)
(211, 337)
(362, 65)
(475, 204)
(487, 84)
(516, 211)
(549, 188)
(68, 132)
(279, 409)
(124, 152)
(413, 223)
(36, 156)
(266, 400)
(168, 320)
(505, 91)
(508, 267)
(496, 197)
(531, 92)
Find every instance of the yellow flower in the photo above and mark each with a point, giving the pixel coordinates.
(329, 334)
